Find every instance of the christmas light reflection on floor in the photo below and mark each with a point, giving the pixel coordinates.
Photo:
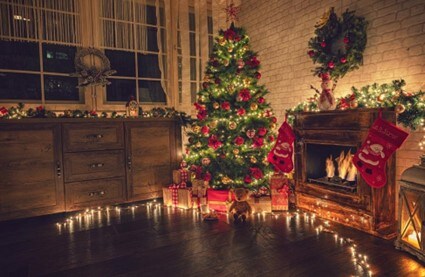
(93, 218)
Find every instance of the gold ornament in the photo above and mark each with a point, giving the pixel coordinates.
(198, 144)
(230, 49)
(221, 41)
(381, 97)
(399, 108)
(246, 81)
(216, 105)
(196, 129)
(244, 49)
(273, 126)
(213, 124)
(230, 88)
(354, 104)
(226, 180)
(201, 99)
(236, 151)
(253, 160)
(226, 62)
(265, 161)
(254, 106)
(232, 125)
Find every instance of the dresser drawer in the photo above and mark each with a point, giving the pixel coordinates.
(92, 136)
(93, 165)
(94, 193)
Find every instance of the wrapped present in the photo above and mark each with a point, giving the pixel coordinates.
(178, 196)
(219, 200)
(279, 187)
(181, 176)
(260, 204)
(199, 187)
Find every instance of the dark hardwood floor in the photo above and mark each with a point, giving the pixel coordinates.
(159, 241)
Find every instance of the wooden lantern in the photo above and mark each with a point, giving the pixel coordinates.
(411, 225)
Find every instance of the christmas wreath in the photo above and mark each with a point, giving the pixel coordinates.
(339, 43)
(91, 75)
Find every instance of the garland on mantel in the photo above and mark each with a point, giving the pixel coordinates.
(19, 112)
(410, 107)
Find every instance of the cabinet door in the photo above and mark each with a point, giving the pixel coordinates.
(30, 169)
(152, 149)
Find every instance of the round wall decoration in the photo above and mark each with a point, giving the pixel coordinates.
(92, 75)
(339, 44)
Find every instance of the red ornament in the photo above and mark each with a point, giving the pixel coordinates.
(331, 64)
(258, 142)
(39, 108)
(346, 40)
(247, 179)
(202, 114)
(239, 140)
(311, 53)
(229, 34)
(274, 119)
(205, 130)
(343, 59)
(261, 100)
(325, 76)
(3, 111)
(253, 62)
(214, 143)
(271, 138)
(199, 107)
(205, 85)
(323, 44)
(240, 63)
(257, 75)
(241, 111)
(93, 113)
(256, 172)
(225, 105)
(262, 131)
(244, 94)
(250, 133)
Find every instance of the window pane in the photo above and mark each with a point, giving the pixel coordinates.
(61, 88)
(122, 61)
(180, 67)
(193, 91)
(120, 90)
(151, 15)
(151, 91)
(180, 92)
(58, 58)
(193, 69)
(163, 40)
(148, 66)
(152, 41)
(210, 25)
(20, 86)
(192, 25)
(161, 16)
(210, 45)
(19, 55)
(192, 44)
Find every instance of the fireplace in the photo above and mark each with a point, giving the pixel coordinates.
(326, 180)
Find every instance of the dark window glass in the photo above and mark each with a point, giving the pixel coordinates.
(120, 90)
(148, 66)
(20, 86)
(150, 15)
(192, 25)
(193, 69)
(61, 88)
(161, 17)
(122, 61)
(151, 91)
(152, 39)
(180, 67)
(180, 92)
(19, 55)
(193, 91)
(192, 44)
(210, 45)
(58, 58)
(210, 25)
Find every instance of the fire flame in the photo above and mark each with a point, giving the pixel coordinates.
(330, 167)
(344, 162)
(346, 169)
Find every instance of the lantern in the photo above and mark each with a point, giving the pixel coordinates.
(411, 224)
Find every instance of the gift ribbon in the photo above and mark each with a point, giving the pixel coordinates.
(184, 175)
(174, 188)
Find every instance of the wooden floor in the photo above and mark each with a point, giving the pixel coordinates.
(159, 241)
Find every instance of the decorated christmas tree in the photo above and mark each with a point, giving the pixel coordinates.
(232, 135)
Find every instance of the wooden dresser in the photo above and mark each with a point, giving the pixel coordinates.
(56, 165)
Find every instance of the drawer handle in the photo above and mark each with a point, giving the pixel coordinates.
(94, 136)
(58, 169)
(129, 162)
(97, 193)
(96, 165)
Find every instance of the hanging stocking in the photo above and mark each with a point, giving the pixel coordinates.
(281, 154)
(381, 142)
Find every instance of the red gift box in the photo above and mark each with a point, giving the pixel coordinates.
(219, 200)
(279, 187)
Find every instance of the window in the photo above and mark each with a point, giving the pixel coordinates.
(132, 43)
(36, 68)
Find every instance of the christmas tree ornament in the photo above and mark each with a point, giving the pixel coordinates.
(354, 104)
(225, 105)
(253, 106)
(236, 151)
(253, 159)
(399, 108)
(273, 126)
(205, 130)
(240, 63)
(230, 88)
(226, 63)
(232, 125)
(239, 140)
(230, 49)
(213, 124)
(206, 161)
(226, 180)
(381, 142)
(244, 95)
(216, 105)
(246, 82)
(241, 111)
(198, 144)
(250, 133)
(381, 97)
(281, 154)
(196, 129)
(257, 75)
(260, 100)
(221, 41)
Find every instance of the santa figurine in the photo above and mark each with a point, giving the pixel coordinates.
(371, 155)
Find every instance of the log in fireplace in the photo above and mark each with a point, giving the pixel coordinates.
(326, 180)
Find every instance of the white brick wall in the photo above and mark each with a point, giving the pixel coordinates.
(279, 32)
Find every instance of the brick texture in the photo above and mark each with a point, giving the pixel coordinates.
(279, 32)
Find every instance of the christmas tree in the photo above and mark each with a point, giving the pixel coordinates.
(232, 135)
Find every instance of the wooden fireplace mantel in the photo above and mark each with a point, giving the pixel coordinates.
(368, 209)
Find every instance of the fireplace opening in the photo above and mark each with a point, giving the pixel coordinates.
(331, 166)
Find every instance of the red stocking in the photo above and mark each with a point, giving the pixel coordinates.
(281, 154)
(381, 142)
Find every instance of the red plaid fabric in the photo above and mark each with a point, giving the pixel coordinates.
(174, 193)
(184, 175)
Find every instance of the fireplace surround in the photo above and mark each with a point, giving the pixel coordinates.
(353, 203)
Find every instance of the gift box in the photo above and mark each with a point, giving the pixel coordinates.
(181, 176)
(199, 188)
(177, 196)
(279, 188)
(219, 200)
(260, 204)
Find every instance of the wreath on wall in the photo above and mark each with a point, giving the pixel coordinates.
(339, 44)
(89, 74)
